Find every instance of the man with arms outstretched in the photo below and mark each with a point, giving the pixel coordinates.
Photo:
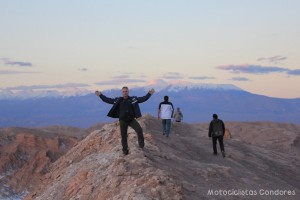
(127, 109)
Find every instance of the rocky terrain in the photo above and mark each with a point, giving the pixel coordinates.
(58, 162)
(26, 154)
(262, 162)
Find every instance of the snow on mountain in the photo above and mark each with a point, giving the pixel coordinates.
(158, 85)
(198, 101)
(177, 86)
(37, 93)
(5, 94)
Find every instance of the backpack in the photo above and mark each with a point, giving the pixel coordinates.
(180, 114)
(217, 128)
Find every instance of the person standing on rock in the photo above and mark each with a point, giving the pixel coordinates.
(178, 116)
(217, 131)
(165, 112)
(127, 109)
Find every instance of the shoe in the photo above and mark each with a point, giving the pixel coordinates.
(125, 152)
(141, 148)
(223, 154)
(215, 154)
(164, 133)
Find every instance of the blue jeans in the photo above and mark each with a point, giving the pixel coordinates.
(166, 124)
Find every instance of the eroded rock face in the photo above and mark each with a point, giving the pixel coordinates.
(97, 169)
(25, 155)
(179, 167)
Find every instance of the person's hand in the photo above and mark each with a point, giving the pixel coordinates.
(97, 93)
(151, 91)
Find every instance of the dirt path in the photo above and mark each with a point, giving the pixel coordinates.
(187, 157)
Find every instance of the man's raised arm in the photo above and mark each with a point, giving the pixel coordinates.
(104, 98)
(146, 97)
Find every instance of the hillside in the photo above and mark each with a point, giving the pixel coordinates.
(179, 167)
(26, 153)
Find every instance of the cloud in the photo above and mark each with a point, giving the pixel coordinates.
(8, 72)
(273, 60)
(258, 69)
(8, 62)
(239, 79)
(172, 75)
(120, 81)
(251, 69)
(45, 87)
(201, 77)
(83, 69)
(121, 77)
(295, 72)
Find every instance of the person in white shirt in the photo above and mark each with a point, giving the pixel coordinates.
(165, 112)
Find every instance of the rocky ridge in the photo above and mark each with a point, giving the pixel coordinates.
(179, 167)
(96, 169)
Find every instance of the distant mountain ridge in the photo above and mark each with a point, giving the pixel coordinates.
(198, 103)
(36, 92)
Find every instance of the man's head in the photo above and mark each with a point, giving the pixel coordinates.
(166, 98)
(178, 108)
(215, 116)
(125, 92)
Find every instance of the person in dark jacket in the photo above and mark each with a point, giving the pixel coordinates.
(127, 109)
(217, 131)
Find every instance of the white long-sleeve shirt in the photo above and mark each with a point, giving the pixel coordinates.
(165, 110)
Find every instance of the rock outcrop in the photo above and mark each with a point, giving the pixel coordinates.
(25, 155)
(179, 167)
(262, 162)
(97, 169)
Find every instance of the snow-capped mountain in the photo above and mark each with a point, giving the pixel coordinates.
(198, 102)
(38, 93)
(177, 86)
(158, 85)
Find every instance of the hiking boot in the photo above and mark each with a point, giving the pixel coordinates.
(215, 154)
(125, 152)
(223, 154)
(141, 147)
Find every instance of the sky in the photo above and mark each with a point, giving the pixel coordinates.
(98, 45)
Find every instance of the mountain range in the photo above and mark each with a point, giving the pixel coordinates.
(197, 101)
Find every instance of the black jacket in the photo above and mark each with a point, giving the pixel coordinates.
(210, 132)
(114, 111)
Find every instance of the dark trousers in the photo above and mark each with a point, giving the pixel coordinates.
(124, 128)
(214, 139)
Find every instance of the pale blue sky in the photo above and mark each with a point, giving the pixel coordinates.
(252, 44)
